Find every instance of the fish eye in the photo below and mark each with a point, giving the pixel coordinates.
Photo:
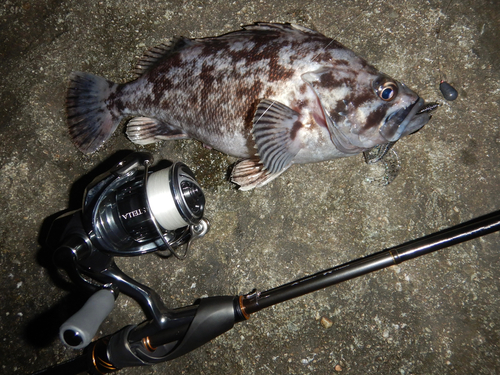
(387, 91)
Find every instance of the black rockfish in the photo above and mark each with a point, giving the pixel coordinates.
(271, 94)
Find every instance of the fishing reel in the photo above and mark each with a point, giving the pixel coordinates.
(127, 211)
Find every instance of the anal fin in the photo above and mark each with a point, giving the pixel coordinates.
(145, 130)
(251, 173)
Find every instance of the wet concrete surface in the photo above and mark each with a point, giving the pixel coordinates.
(434, 315)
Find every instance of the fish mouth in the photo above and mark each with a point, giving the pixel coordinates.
(407, 120)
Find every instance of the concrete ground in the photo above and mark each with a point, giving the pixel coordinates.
(434, 315)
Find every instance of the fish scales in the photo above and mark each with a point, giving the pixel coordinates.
(270, 94)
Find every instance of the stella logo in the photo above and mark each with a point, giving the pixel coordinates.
(131, 214)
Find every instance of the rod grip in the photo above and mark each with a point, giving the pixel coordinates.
(77, 332)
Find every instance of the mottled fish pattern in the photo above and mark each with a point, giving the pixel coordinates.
(270, 94)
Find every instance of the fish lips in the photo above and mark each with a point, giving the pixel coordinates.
(406, 121)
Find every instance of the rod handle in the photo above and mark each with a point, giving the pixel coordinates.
(77, 332)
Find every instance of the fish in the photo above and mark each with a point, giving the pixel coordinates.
(271, 95)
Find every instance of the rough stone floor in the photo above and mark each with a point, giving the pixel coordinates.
(434, 315)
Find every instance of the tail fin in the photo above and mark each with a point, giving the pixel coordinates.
(91, 122)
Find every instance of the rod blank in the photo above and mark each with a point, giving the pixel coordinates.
(478, 227)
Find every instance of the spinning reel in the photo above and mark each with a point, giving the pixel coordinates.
(127, 211)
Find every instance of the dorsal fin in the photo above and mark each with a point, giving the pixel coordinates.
(153, 56)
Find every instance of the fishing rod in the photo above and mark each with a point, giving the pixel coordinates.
(87, 250)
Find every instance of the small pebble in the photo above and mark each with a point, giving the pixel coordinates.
(338, 368)
(325, 322)
(448, 91)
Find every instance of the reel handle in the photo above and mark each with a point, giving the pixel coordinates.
(77, 332)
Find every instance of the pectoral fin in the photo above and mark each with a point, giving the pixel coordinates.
(251, 173)
(275, 128)
(145, 130)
